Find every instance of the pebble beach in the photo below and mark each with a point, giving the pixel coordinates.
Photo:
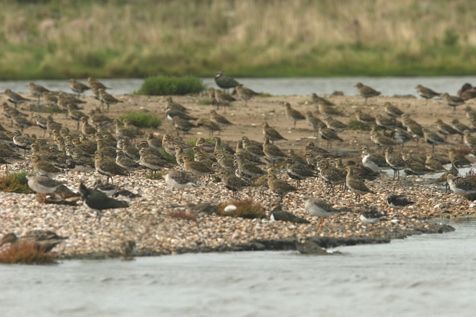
(152, 222)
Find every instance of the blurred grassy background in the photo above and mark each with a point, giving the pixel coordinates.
(62, 39)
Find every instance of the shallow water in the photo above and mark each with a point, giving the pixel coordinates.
(287, 86)
(427, 275)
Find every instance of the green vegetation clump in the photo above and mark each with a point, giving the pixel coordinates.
(165, 85)
(142, 119)
(357, 125)
(15, 183)
(119, 39)
(167, 156)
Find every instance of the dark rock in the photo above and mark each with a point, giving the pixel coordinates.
(310, 247)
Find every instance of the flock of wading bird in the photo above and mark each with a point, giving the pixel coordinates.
(115, 147)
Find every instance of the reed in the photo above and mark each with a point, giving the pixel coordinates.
(48, 39)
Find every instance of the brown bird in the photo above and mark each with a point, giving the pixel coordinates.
(244, 93)
(467, 92)
(453, 101)
(395, 161)
(15, 98)
(218, 118)
(366, 91)
(328, 135)
(426, 92)
(320, 100)
(280, 187)
(364, 117)
(313, 121)
(293, 114)
(271, 133)
(77, 86)
(355, 184)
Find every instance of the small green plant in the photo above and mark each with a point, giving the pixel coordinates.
(167, 156)
(242, 208)
(357, 125)
(15, 183)
(157, 175)
(164, 85)
(26, 253)
(142, 119)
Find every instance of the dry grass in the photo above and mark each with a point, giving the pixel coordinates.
(183, 215)
(26, 253)
(146, 38)
(244, 208)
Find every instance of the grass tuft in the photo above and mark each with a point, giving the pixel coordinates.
(26, 253)
(167, 156)
(142, 119)
(357, 125)
(15, 183)
(164, 85)
(244, 208)
(183, 215)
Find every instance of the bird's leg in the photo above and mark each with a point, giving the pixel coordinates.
(98, 214)
(321, 221)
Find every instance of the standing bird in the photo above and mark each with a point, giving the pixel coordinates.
(42, 184)
(277, 186)
(218, 118)
(366, 91)
(355, 184)
(271, 133)
(364, 118)
(15, 98)
(37, 91)
(328, 135)
(98, 201)
(293, 114)
(245, 93)
(96, 84)
(107, 99)
(395, 161)
(320, 100)
(453, 101)
(225, 82)
(392, 110)
(426, 92)
(319, 208)
(77, 86)
(313, 121)
(467, 92)
(432, 138)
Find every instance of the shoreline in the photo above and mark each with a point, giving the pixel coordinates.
(274, 245)
(150, 222)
